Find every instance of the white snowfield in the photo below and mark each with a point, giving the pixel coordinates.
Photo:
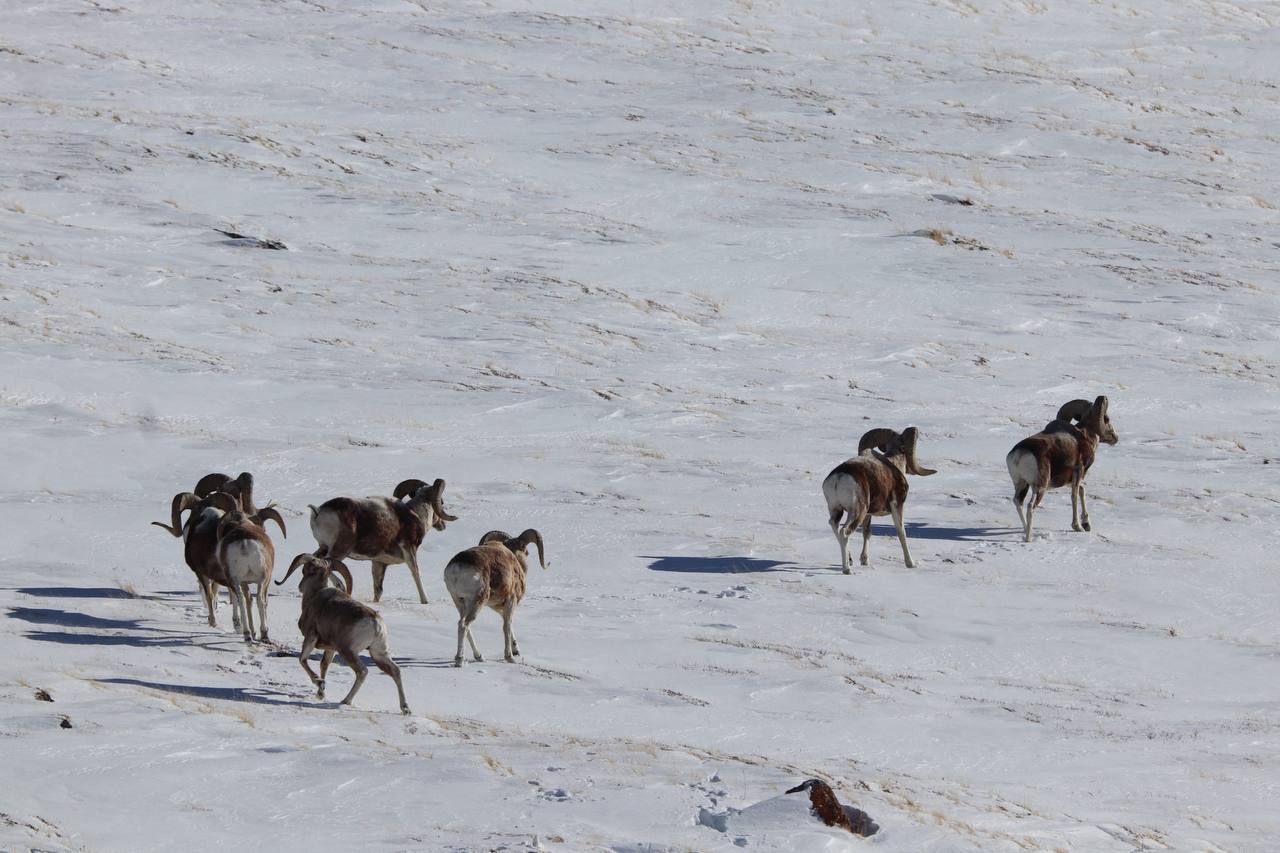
(638, 275)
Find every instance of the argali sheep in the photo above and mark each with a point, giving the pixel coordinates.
(492, 574)
(384, 531)
(241, 486)
(336, 623)
(873, 483)
(247, 557)
(1060, 455)
(200, 541)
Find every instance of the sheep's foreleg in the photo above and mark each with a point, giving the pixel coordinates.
(411, 558)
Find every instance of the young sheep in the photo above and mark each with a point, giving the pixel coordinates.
(491, 574)
(336, 623)
(384, 531)
(1059, 455)
(247, 557)
(872, 484)
(200, 542)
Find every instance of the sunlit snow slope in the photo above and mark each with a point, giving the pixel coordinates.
(639, 275)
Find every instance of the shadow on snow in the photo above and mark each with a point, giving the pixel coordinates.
(257, 696)
(717, 565)
(922, 530)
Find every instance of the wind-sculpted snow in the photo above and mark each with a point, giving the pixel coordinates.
(638, 276)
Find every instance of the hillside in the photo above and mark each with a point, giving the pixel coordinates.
(639, 276)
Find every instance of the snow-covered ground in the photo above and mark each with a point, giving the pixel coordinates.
(638, 275)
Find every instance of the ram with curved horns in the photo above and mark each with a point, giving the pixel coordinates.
(1060, 455)
(337, 624)
(384, 531)
(240, 488)
(492, 574)
(873, 483)
(200, 541)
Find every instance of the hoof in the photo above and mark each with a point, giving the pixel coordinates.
(404, 709)
(848, 571)
(910, 565)
(457, 662)
(508, 658)
(1087, 527)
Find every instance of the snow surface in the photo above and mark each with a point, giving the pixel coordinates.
(639, 275)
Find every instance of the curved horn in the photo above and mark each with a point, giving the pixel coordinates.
(437, 502)
(224, 501)
(297, 561)
(534, 537)
(210, 483)
(1076, 410)
(491, 536)
(877, 438)
(182, 501)
(345, 573)
(910, 436)
(407, 487)
(269, 512)
(1100, 406)
(245, 482)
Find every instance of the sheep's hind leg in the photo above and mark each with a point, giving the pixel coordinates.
(362, 671)
(896, 509)
(382, 658)
(1084, 510)
(309, 646)
(1019, 495)
(1036, 496)
(262, 608)
(509, 649)
(325, 660)
(466, 615)
(1075, 506)
(842, 538)
(246, 605)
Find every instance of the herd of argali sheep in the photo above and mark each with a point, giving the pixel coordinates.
(225, 542)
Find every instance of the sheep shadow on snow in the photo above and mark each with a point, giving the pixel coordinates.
(924, 530)
(72, 619)
(717, 565)
(72, 591)
(255, 695)
(144, 637)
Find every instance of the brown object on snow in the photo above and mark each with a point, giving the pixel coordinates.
(828, 809)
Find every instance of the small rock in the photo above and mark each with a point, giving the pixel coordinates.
(66, 722)
(43, 695)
